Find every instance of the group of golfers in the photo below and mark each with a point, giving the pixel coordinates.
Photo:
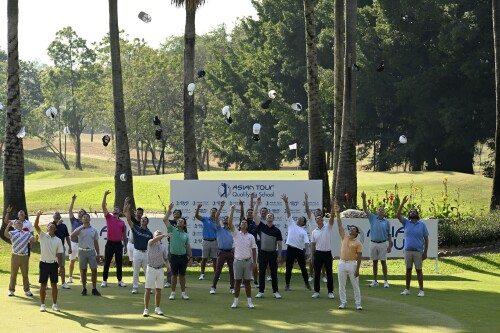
(251, 246)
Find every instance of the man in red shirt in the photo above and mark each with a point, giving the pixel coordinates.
(114, 246)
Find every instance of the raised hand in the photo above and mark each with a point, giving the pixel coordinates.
(363, 195)
(107, 192)
(284, 198)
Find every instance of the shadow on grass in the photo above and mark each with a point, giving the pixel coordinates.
(487, 261)
(472, 268)
(83, 321)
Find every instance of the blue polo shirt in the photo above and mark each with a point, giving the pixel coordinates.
(141, 237)
(224, 238)
(379, 229)
(209, 230)
(414, 235)
(75, 223)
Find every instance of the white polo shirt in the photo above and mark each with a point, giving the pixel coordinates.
(49, 247)
(322, 237)
(297, 236)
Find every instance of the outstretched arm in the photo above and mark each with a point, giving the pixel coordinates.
(400, 208)
(104, 209)
(339, 221)
(242, 210)
(231, 225)
(167, 215)
(126, 210)
(256, 216)
(196, 213)
(252, 196)
(333, 208)
(308, 211)
(37, 221)
(217, 215)
(71, 205)
(6, 231)
(287, 207)
(157, 239)
(365, 207)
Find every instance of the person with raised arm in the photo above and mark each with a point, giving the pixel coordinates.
(270, 239)
(88, 250)
(141, 235)
(225, 250)
(296, 241)
(136, 220)
(180, 253)
(76, 222)
(245, 257)
(310, 227)
(19, 258)
(209, 244)
(351, 252)
(321, 254)
(416, 244)
(63, 234)
(114, 246)
(252, 229)
(157, 259)
(51, 252)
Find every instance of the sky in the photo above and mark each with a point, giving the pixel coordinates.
(40, 20)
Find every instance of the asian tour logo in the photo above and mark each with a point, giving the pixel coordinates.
(224, 190)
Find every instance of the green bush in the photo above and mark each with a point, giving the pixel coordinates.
(469, 230)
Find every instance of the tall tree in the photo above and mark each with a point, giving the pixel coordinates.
(190, 165)
(338, 49)
(13, 162)
(125, 188)
(495, 195)
(317, 159)
(346, 189)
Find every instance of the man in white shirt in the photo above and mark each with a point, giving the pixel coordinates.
(322, 254)
(296, 241)
(51, 252)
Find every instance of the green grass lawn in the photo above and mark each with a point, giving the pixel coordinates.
(52, 189)
(462, 297)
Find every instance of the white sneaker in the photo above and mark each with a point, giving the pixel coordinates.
(277, 295)
(259, 295)
(331, 295)
(405, 292)
(311, 279)
(235, 304)
(250, 305)
(172, 295)
(65, 286)
(269, 278)
(386, 284)
(70, 279)
(145, 313)
(121, 284)
(212, 291)
(104, 284)
(359, 307)
(42, 308)
(202, 277)
(29, 293)
(315, 295)
(342, 306)
(184, 296)
(421, 293)
(134, 291)
(55, 307)
(325, 279)
(158, 311)
(374, 284)
(231, 291)
(11, 293)
(167, 285)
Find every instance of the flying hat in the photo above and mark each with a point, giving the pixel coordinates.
(380, 67)
(66, 130)
(22, 133)
(190, 89)
(256, 131)
(266, 104)
(201, 73)
(272, 94)
(123, 177)
(228, 120)
(297, 107)
(156, 121)
(225, 110)
(51, 112)
(158, 133)
(403, 139)
(105, 140)
(145, 17)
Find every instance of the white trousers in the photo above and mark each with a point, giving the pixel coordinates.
(347, 268)
(140, 260)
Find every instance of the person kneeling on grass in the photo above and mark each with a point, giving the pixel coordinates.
(157, 258)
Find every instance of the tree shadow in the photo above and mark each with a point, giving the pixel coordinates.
(487, 261)
(475, 269)
(83, 321)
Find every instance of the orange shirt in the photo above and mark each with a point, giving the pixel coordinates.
(349, 248)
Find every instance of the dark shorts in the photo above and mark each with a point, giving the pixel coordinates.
(48, 270)
(178, 264)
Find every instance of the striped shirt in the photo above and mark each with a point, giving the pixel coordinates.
(20, 240)
(157, 253)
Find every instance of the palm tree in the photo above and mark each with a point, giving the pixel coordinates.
(13, 161)
(338, 48)
(346, 177)
(317, 159)
(190, 165)
(123, 189)
(495, 194)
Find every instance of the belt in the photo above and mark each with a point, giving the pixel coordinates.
(268, 251)
(209, 240)
(82, 249)
(247, 259)
(49, 262)
(412, 250)
(323, 251)
(225, 250)
(141, 250)
(378, 242)
(20, 254)
(179, 255)
(155, 267)
(342, 260)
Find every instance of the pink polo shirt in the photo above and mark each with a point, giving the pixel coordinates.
(243, 245)
(116, 228)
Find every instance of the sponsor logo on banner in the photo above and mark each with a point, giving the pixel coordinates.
(224, 190)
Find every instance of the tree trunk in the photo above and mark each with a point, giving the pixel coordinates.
(346, 189)
(190, 164)
(495, 194)
(13, 161)
(78, 151)
(123, 189)
(317, 159)
(338, 48)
